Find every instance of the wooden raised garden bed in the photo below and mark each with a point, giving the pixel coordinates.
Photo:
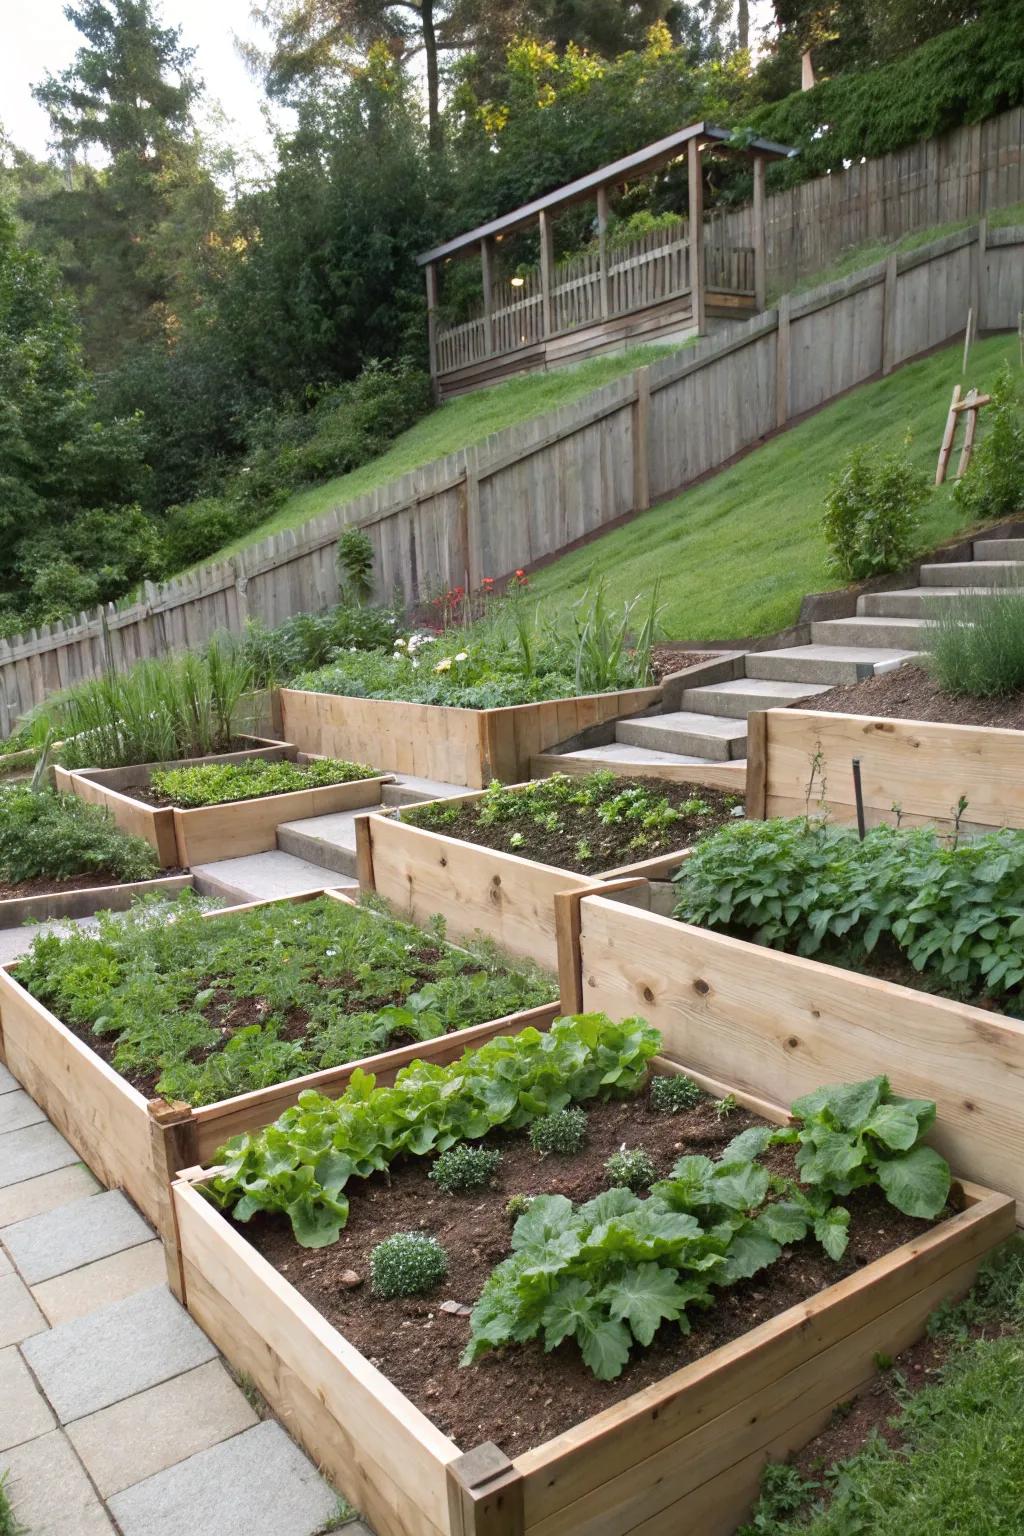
(922, 766)
(684, 1453)
(778, 1024)
(420, 872)
(137, 1144)
(182, 838)
(451, 746)
(86, 901)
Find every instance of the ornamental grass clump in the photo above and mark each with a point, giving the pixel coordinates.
(408, 1264)
(560, 1133)
(464, 1168)
(976, 643)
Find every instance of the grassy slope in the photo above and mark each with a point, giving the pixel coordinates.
(465, 420)
(737, 553)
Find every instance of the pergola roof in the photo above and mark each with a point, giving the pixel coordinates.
(646, 159)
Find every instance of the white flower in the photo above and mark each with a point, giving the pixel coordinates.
(415, 662)
(352, 649)
(399, 642)
(462, 656)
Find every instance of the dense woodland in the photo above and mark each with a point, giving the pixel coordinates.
(185, 339)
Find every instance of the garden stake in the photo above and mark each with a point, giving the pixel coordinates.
(859, 796)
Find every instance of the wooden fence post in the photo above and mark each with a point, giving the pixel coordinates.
(889, 315)
(488, 286)
(485, 1493)
(695, 195)
(760, 264)
(474, 575)
(602, 251)
(980, 284)
(546, 263)
(641, 436)
(782, 364)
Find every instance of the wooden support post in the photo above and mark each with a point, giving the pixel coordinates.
(175, 1142)
(602, 251)
(430, 273)
(485, 273)
(782, 364)
(485, 1493)
(760, 250)
(757, 764)
(968, 336)
(364, 855)
(641, 439)
(889, 315)
(946, 447)
(546, 264)
(568, 922)
(695, 192)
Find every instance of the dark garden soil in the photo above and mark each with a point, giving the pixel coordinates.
(611, 846)
(910, 693)
(665, 660)
(520, 1397)
(47, 885)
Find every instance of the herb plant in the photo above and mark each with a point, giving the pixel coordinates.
(464, 1167)
(408, 1264)
(301, 1164)
(213, 1007)
(562, 1132)
(630, 1169)
(48, 836)
(673, 1095)
(222, 783)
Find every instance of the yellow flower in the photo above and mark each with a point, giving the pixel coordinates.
(443, 665)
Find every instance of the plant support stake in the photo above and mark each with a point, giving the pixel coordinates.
(858, 793)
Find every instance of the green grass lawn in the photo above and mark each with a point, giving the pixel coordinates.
(465, 420)
(736, 554)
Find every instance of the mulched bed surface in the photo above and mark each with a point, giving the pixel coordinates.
(910, 693)
(610, 844)
(665, 660)
(521, 1397)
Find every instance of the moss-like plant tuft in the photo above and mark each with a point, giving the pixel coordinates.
(673, 1095)
(562, 1132)
(408, 1264)
(630, 1169)
(464, 1167)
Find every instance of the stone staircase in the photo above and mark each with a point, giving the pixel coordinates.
(707, 723)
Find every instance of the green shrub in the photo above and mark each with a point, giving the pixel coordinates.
(993, 485)
(630, 1169)
(561, 1132)
(976, 644)
(871, 522)
(44, 835)
(199, 529)
(408, 1264)
(222, 783)
(355, 565)
(673, 1095)
(310, 639)
(464, 1167)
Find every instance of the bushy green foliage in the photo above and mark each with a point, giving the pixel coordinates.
(609, 1273)
(408, 1264)
(952, 911)
(516, 1204)
(301, 1164)
(630, 1169)
(295, 988)
(355, 564)
(308, 640)
(674, 1095)
(992, 485)
(976, 643)
(561, 1132)
(871, 522)
(179, 706)
(59, 836)
(222, 783)
(464, 1167)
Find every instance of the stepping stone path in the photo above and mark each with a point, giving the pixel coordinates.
(117, 1415)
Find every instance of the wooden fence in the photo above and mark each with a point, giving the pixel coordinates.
(536, 487)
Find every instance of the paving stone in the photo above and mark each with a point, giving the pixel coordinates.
(97, 1360)
(37, 1149)
(8, 1083)
(19, 1315)
(5, 1263)
(73, 1235)
(257, 1484)
(50, 1492)
(143, 1435)
(33, 1196)
(26, 1412)
(98, 1285)
(18, 1109)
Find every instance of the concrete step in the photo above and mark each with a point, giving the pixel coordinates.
(904, 634)
(686, 733)
(621, 757)
(826, 664)
(999, 549)
(915, 602)
(266, 877)
(974, 573)
(736, 699)
(327, 841)
(410, 790)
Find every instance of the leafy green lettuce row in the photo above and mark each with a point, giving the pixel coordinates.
(610, 1272)
(301, 1164)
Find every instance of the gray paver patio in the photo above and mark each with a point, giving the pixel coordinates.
(73, 1235)
(19, 1315)
(257, 1484)
(17, 1110)
(34, 1195)
(26, 1412)
(97, 1360)
(36, 1149)
(98, 1285)
(51, 1492)
(8, 1084)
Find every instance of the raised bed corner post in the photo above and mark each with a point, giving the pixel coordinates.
(485, 1494)
(175, 1141)
(757, 764)
(568, 924)
(364, 855)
